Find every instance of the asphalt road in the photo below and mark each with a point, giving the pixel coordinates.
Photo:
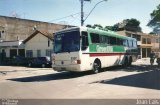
(136, 82)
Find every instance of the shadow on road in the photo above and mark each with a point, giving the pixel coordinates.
(136, 80)
(150, 80)
(141, 68)
(133, 68)
(50, 77)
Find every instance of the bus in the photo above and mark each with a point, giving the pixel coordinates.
(82, 48)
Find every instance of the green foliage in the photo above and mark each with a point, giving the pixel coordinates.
(127, 24)
(155, 20)
(156, 13)
(88, 25)
(133, 23)
(95, 26)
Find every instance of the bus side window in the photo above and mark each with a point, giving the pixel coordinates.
(134, 44)
(104, 39)
(84, 40)
(95, 38)
(125, 43)
(113, 41)
(130, 43)
(119, 41)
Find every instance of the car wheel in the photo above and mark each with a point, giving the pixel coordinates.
(29, 64)
(43, 65)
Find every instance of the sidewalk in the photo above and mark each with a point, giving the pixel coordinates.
(144, 61)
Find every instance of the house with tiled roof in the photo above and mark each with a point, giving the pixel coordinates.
(38, 44)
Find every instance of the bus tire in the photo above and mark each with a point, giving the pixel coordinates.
(43, 65)
(125, 63)
(96, 66)
(130, 61)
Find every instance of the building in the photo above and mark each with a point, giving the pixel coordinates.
(146, 42)
(38, 44)
(19, 29)
(14, 31)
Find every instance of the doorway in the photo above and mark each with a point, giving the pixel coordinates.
(21, 52)
(13, 52)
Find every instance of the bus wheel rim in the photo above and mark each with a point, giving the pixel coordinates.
(96, 67)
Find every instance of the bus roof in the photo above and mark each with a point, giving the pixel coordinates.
(107, 33)
(104, 32)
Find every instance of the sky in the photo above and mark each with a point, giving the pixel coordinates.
(68, 11)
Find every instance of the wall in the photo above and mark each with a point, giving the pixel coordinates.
(20, 29)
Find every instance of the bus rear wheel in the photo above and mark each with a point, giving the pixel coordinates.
(96, 66)
(125, 63)
(130, 61)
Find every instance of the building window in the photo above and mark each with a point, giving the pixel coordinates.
(157, 40)
(48, 43)
(138, 37)
(129, 35)
(29, 53)
(1, 33)
(144, 41)
(148, 41)
(48, 52)
(38, 53)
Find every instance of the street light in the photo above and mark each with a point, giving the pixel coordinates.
(82, 15)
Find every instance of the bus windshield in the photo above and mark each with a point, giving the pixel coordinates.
(67, 42)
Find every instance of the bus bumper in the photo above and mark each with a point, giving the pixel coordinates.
(59, 68)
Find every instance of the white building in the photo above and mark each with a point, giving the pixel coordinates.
(38, 44)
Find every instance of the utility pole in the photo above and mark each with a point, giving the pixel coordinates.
(82, 14)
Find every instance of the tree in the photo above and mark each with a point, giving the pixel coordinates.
(133, 23)
(156, 13)
(95, 26)
(129, 25)
(126, 24)
(88, 25)
(155, 20)
(112, 28)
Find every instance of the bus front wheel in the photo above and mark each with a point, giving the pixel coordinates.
(96, 66)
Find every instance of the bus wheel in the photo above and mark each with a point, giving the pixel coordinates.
(30, 64)
(130, 61)
(96, 66)
(43, 65)
(125, 63)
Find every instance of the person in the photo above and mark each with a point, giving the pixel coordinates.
(152, 57)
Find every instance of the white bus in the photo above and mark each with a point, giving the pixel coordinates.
(81, 49)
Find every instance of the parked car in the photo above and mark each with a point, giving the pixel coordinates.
(19, 60)
(40, 61)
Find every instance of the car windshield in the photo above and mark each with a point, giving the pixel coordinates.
(67, 42)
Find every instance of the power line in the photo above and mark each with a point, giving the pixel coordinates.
(64, 17)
